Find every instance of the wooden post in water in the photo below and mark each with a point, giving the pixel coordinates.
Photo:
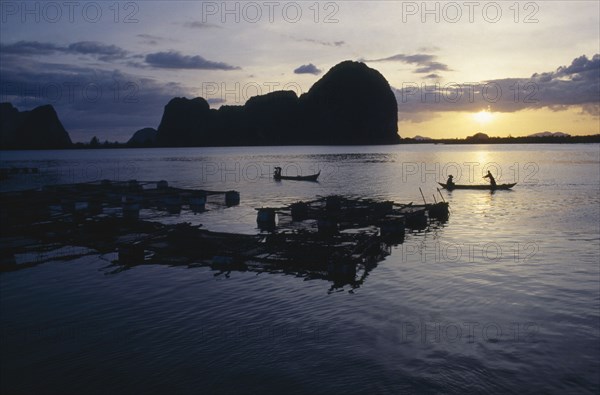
(423, 196)
(442, 196)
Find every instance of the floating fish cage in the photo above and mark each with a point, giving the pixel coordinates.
(330, 237)
(172, 203)
(131, 209)
(232, 198)
(393, 225)
(197, 202)
(327, 225)
(134, 185)
(299, 211)
(335, 213)
(265, 218)
(132, 254)
(439, 210)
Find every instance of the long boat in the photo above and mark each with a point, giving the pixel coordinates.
(312, 177)
(484, 187)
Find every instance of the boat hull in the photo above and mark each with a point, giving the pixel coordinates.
(483, 187)
(312, 177)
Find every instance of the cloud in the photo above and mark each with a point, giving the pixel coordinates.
(151, 39)
(89, 101)
(99, 50)
(175, 60)
(591, 109)
(30, 48)
(149, 36)
(415, 59)
(200, 25)
(431, 67)
(432, 48)
(581, 65)
(102, 51)
(307, 69)
(319, 42)
(426, 62)
(575, 85)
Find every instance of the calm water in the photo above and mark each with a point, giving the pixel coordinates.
(504, 297)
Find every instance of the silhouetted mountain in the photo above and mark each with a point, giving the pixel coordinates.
(549, 134)
(422, 138)
(39, 128)
(351, 104)
(183, 122)
(144, 138)
(273, 118)
(478, 136)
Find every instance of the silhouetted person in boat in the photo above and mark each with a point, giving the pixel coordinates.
(450, 182)
(277, 172)
(492, 179)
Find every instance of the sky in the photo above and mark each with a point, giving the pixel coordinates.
(456, 68)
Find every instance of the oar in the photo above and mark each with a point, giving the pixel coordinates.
(423, 196)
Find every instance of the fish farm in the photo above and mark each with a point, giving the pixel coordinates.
(333, 237)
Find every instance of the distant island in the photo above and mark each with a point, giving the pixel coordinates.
(143, 138)
(535, 138)
(351, 104)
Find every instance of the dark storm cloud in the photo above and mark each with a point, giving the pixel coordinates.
(30, 48)
(581, 65)
(99, 50)
(89, 101)
(307, 69)
(175, 60)
(577, 84)
(102, 51)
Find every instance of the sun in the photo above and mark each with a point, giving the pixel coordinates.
(483, 117)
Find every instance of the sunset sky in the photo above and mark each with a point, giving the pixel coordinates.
(457, 68)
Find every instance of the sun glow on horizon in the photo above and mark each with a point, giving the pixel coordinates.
(483, 117)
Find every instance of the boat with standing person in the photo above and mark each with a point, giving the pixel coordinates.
(484, 187)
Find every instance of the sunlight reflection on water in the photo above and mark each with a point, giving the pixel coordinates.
(504, 296)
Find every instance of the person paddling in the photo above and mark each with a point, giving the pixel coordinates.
(492, 179)
(450, 182)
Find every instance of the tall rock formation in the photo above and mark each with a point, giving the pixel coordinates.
(351, 104)
(183, 122)
(39, 128)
